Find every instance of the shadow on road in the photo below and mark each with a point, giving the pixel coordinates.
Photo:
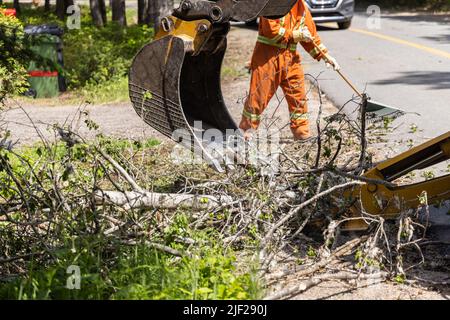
(419, 17)
(435, 80)
(445, 38)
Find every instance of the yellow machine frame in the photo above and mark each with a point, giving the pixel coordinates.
(389, 201)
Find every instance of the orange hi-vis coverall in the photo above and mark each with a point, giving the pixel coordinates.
(275, 63)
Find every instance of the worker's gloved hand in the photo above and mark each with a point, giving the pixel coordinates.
(248, 135)
(331, 62)
(248, 66)
(302, 34)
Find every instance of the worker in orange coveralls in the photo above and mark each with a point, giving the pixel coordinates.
(276, 62)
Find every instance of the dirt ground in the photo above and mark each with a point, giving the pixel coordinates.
(424, 283)
(120, 120)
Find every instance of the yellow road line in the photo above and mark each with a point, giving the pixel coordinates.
(404, 42)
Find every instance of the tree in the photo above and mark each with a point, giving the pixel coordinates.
(142, 12)
(61, 8)
(14, 58)
(119, 12)
(17, 6)
(98, 12)
(47, 5)
(103, 10)
(60, 12)
(158, 9)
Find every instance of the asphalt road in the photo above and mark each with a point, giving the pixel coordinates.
(405, 63)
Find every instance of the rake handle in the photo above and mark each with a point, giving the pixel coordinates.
(347, 80)
(349, 83)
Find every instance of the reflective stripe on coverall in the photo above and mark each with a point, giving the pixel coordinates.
(275, 63)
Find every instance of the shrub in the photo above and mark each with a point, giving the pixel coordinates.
(13, 57)
(96, 60)
(121, 264)
(98, 55)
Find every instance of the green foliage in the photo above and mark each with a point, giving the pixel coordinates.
(115, 146)
(400, 278)
(413, 128)
(229, 72)
(428, 175)
(363, 261)
(134, 272)
(387, 122)
(95, 56)
(13, 57)
(96, 60)
(311, 253)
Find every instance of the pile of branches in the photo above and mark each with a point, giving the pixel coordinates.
(79, 188)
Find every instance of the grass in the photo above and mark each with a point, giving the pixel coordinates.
(231, 73)
(105, 92)
(108, 92)
(136, 272)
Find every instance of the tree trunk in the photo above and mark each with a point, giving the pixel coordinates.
(142, 11)
(68, 3)
(60, 12)
(17, 6)
(158, 9)
(61, 8)
(47, 5)
(96, 13)
(103, 10)
(118, 12)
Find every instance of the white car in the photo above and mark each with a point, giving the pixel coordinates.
(340, 11)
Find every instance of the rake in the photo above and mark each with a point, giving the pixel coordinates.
(374, 110)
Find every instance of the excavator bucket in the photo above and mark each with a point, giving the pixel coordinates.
(178, 93)
(174, 81)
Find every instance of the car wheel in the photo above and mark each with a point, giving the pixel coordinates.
(345, 25)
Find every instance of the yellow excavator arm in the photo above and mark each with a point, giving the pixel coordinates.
(388, 201)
